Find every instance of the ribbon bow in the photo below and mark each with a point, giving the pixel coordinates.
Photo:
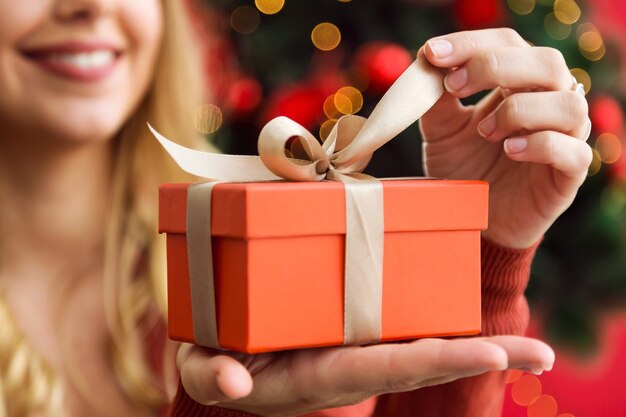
(345, 153)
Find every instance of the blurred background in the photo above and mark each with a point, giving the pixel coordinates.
(314, 61)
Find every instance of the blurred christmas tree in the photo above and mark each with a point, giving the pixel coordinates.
(314, 61)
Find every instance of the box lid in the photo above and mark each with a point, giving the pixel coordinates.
(274, 209)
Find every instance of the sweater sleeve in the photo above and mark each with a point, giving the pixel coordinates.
(505, 274)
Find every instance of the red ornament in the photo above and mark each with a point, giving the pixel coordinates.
(478, 14)
(301, 103)
(606, 115)
(244, 96)
(381, 64)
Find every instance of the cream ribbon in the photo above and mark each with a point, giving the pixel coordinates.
(345, 153)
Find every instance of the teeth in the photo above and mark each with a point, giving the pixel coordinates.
(85, 60)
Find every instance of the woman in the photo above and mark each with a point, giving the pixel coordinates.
(81, 271)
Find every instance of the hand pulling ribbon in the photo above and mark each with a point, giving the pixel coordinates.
(345, 153)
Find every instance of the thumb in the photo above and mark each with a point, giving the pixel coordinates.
(445, 116)
(210, 379)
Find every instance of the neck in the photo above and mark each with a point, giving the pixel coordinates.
(53, 205)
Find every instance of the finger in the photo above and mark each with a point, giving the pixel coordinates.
(183, 353)
(512, 68)
(568, 155)
(212, 379)
(563, 111)
(401, 367)
(447, 115)
(526, 353)
(455, 49)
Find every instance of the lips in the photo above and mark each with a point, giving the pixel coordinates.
(78, 61)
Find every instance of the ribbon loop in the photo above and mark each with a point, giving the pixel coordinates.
(272, 141)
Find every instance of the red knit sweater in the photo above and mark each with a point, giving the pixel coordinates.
(505, 274)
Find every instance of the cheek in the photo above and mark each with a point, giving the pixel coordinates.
(144, 38)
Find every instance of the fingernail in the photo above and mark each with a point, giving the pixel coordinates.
(515, 145)
(487, 126)
(456, 80)
(441, 48)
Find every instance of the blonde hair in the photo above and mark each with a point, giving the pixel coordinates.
(133, 267)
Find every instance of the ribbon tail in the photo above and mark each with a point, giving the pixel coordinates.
(413, 93)
(200, 255)
(364, 260)
(237, 168)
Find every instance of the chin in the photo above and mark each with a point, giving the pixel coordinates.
(85, 124)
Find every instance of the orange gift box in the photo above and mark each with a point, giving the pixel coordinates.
(278, 261)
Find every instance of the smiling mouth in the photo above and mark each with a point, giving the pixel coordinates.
(78, 62)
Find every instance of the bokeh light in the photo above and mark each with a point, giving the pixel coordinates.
(208, 119)
(326, 128)
(555, 28)
(348, 100)
(342, 103)
(269, 6)
(326, 36)
(596, 163)
(544, 406)
(245, 19)
(590, 42)
(567, 11)
(513, 375)
(330, 109)
(582, 77)
(521, 7)
(609, 147)
(526, 390)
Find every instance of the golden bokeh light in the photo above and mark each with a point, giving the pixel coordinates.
(596, 164)
(590, 41)
(326, 36)
(609, 147)
(326, 128)
(567, 11)
(245, 19)
(582, 77)
(269, 6)
(544, 406)
(526, 390)
(555, 28)
(585, 27)
(343, 103)
(208, 119)
(330, 109)
(521, 7)
(594, 55)
(348, 100)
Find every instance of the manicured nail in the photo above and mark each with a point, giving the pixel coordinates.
(441, 48)
(515, 145)
(487, 126)
(456, 80)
